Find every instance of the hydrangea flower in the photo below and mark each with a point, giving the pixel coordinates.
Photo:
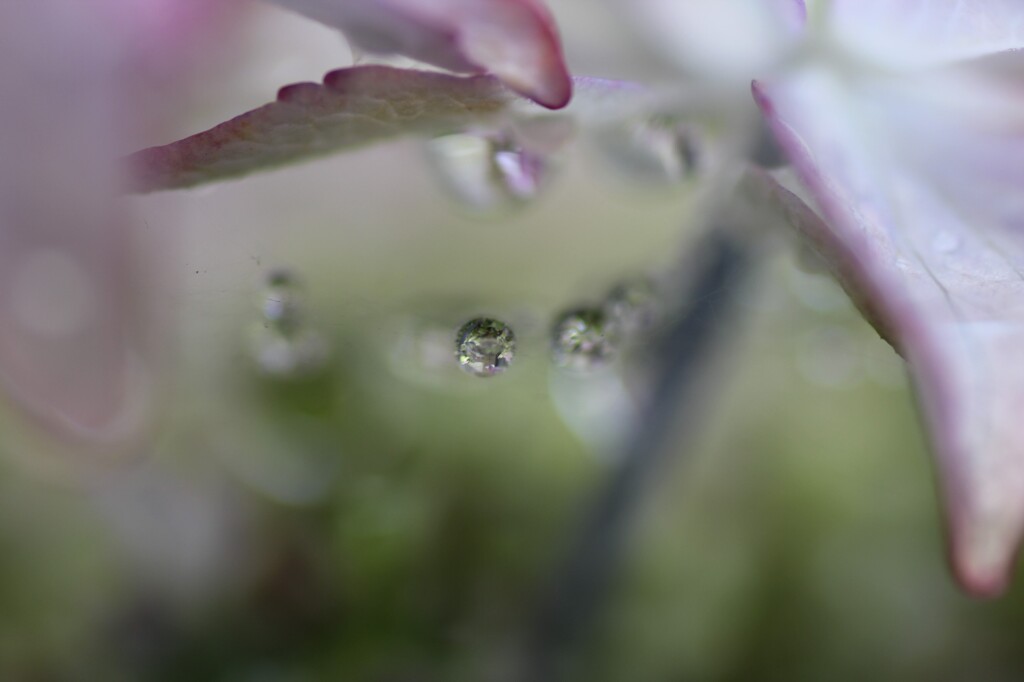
(904, 126)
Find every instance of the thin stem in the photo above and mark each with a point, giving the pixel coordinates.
(582, 581)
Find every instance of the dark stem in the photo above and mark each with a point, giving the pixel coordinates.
(581, 583)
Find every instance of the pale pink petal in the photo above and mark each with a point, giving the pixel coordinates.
(515, 40)
(79, 79)
(923, 32)
(919, 185)
(717, 39)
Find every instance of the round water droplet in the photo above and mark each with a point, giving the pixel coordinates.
(290, 355)
(485, 347)
(584, 339)
(656, 151)
(632, 306)
(281, 301)
(488, 174)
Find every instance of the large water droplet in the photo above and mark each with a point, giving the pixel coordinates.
(485, 347)
(633, 306)
(655, 151)
(488, 174)
(584, 339)
(281, 301)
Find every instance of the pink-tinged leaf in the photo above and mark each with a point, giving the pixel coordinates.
(516, 40)
(353, 108)
(924, 32)
(75, 339)
(919, 187)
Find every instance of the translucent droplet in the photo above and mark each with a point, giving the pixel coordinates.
(946, 242)
(488, 174)
(633, 306)
(281, 301)
(584, 339)
(656, 151)
(292, 355)
(485, 347)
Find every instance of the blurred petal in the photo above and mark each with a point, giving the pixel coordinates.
(918, 184)
(922, 32)
(78, 78)
(721, 38)
(515, 40)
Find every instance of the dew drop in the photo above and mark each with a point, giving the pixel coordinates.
(281, 301)
(290, 355)
(632, 306)
(282, 344)
(584, 339)
(655, 152)
(488, 174)
(485, 347)
(945, 242)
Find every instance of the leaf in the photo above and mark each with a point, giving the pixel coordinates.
(516, 40)
(352, 108)
(918, 186)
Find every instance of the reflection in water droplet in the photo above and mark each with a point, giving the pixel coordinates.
(656, 151)
(632, 306)
(485, 347)
(281, 301)
(487, 174)
(282, 344)
(946, 242)
(584, 339)
(291, 355)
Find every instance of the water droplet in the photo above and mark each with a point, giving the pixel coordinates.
(656, 151)
(584, 339)
(281, 302)
(632, 306)
(946, 242)
(488, 174)
(485, 347)
(282, 345)
(291, 355)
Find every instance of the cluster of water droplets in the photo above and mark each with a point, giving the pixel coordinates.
(590, 337)
(284, 345)
(656, 151)
(493, 172)
(581, 340)
(488, 173)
